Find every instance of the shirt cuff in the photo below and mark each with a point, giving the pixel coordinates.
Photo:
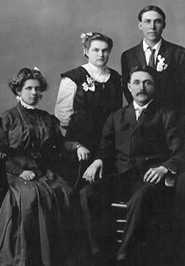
(170, 179)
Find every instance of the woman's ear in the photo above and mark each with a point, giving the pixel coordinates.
(85, 51)
(18, 92)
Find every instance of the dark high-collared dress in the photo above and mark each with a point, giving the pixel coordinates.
(33, 213)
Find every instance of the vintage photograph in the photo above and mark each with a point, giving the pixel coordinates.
(92, 133)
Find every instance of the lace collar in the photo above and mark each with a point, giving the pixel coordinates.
(25, 105)
(100, 75)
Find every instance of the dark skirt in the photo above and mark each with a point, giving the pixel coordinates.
(34, 222)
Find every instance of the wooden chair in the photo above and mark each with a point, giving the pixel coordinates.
(157, 248)
(119, 218)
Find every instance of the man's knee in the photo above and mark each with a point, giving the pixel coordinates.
(143, 195)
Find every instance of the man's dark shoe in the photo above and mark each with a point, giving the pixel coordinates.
(121, 259)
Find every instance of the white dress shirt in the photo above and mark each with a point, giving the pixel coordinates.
(148, 50)
(139, 109)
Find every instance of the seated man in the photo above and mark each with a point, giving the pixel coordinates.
(142, 142)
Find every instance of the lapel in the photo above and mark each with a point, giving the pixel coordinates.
(128, 120)
(164, 51)
(140, 54)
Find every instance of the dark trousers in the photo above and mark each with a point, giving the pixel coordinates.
(179, 222)
(145, 201)
(96, 210)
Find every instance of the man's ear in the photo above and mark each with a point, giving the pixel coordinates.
(129, 87)
(140, 26)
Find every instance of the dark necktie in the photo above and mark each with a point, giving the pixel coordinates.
(151, 62)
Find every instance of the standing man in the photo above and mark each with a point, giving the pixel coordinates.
(167, 58)
(142, 142)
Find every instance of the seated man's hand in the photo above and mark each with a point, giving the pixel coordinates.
(27, 175)
(83, 153)
(2, 155)
(155, 175)
(91, 172)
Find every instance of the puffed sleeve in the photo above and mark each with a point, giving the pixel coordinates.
(64, 103)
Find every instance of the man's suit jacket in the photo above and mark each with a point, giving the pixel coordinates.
(153, 140)
(171, 81)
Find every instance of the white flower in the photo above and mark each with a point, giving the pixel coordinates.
(36, 68)
(83, 35)
(89, 85)
(161, 65)
(89, 34)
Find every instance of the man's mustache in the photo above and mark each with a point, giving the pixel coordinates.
(142, 93)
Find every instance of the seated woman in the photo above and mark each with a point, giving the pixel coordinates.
(87, 95)
(35, 207)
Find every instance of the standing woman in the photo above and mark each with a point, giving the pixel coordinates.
(87, 95)
(33, 212)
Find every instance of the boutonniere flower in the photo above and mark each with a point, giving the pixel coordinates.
(161, 64)
(89, 84)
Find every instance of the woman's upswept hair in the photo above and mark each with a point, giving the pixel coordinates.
(87, 38)
(24, 74)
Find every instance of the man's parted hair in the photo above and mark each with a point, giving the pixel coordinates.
(151, 71)
(152, 8)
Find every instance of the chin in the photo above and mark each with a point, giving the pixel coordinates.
(34, 103)
(153, 38)
(142, 101)
(100, 65)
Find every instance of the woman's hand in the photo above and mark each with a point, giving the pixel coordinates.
(27, 175)
(82, 153)
(91, 172)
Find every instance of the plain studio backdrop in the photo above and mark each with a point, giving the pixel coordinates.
(46, 34)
